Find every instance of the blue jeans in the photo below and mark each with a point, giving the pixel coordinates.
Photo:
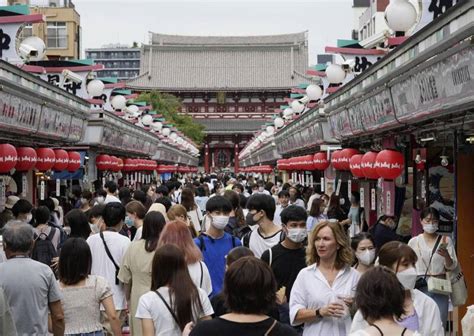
(93, 333)
(442, 301)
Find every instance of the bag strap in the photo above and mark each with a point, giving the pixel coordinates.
(379, 330)
(117, 268)
(404, 331)
(175, 318)
(269, 330)
(270, 257)
(51, 234)
(202, 274)
(432, 254)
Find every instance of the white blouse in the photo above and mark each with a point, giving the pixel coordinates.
(423, 251)
(312, 291)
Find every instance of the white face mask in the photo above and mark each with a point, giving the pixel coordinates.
(220, 222)
(297, 235)
(100, 199)
(366, 257)
(407, 278)
(430, 228)
(29, 217)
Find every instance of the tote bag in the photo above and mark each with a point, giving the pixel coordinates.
(458, 286)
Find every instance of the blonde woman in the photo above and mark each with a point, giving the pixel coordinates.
(323, 291)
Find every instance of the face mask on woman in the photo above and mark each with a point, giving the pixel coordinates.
(430, 228)
(366, 257)
(407, 278)
(128, 221)
(220, 222)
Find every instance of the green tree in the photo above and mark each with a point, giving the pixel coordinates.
(168, 105)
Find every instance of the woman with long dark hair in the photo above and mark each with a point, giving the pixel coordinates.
(194, 213)
(236, 225)
(174, 300)
(78, 222)
(135, 271)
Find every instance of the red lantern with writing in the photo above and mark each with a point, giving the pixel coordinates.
(355, 165)
(74, 161)
(389, 164)
(114, 164)
(335, 159)
(45, 159)
(120, 163)
(26, 159)
(62, 160)
(8, 158)
(103, 162)
(345, 157)
(367, 164)
(320, 161)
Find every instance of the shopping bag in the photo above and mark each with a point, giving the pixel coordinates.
(458, 286)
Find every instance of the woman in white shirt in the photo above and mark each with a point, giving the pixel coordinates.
(177, 233)
(323, 291)
(194, 213)
(380, 298)
(174, 300)
(442, 260)
(364, 251)
(421, 313)
(316, 214)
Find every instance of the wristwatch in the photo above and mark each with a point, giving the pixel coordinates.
(318, 313)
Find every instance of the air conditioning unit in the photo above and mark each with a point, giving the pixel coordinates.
(54, 3)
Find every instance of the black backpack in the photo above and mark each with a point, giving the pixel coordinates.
(43, 249)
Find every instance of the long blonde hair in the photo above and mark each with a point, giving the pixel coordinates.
(344, 255)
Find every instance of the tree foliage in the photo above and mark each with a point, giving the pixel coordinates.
(168, 105)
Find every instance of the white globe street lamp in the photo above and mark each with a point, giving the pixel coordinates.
(314, 92)
(400, 15)
(297, 107)
(270, 130)
(132, 109)
(279, 122)
(95, 88)
(165, 131)
(147, 120)
(173, 136)
(288, 113)
(335, 74)
(119, 102)
(157, 126)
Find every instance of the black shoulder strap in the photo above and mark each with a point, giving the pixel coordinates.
(432, 254)
(202, 275)
(404, 331)
(202, 246)
(117, 268)
(380, 331)
(233, 242)
(51, 233)
(246, 239)
(175, 318)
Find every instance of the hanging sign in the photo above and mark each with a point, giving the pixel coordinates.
(24, 185)
(58, 187)
(373, 205)
(362, 197)
(322, 184)
(349, 188)
(338, 187)
(2, 193)
(42, 190)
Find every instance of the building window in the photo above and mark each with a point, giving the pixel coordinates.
(27, 31)
(57, 35)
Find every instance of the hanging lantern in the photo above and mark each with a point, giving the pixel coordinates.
(26, 159)
(74, 162)
(128, 165)
(103, 162)
(367, 164)
(389, 164)
(320, 161)
(355, 165)
(306, 162)
(8, 158)
(335, 159)
(62, 160)
(114, 164)
(45, 159)
(345, 157)
(120, 164)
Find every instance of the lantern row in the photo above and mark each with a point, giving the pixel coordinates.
(257, 169)
(43, 159)
(387, 164)
(111, 163)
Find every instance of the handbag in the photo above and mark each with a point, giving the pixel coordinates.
(458, 284)
(439, 285)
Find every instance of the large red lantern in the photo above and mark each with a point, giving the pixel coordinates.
(306, 162)
(62, 160)
(120, 163)
(45, 159)
(26, 159)
(355, 165)
(128, 165)
(114, 164)
(8, 158)
(367, 164)
(103, 162)
(74, 162)
(345, 157)
(320, 161)
(335, 159)
(389, 164)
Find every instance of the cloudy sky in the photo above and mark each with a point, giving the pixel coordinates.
(111, 21)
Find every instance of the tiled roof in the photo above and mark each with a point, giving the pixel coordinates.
(235, 126)
(184, 63)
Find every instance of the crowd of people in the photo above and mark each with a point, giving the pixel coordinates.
(216, 255)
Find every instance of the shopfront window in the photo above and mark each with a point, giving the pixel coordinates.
(57, 35)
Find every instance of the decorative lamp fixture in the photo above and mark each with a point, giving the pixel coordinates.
(279, 122)
(166, 131)
(157, 126)
(288, 113)
(173, 136)
(132, 109)
(147, 120)
(119, 102)
(74, 162)
(400, 15)
(95, 88)
(45, 159)
(320, 161)
(297, 107)
(335, 74)
(270, 130)
(314, 92)
(335, 159)
(345, 157)
(103, 162)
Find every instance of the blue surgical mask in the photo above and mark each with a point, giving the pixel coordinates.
(128, 221)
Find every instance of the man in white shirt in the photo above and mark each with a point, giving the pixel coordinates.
(283, 201)
(106, 264)
(111, 188)
(294, 200)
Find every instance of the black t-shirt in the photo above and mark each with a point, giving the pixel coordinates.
(219, 326)
(286, 264)
(219, 307)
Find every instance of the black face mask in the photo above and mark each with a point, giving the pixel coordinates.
(232, 222)
(249, 220)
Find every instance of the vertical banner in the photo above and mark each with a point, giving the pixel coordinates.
(2, 193)
(24, 185)
(338, 186)
(373, 205)
(389, 198)
(423, 188)
(135, 179)
(349, 188)
(322, 184)
(58, 187)
(42, 190)
(311, 180)
(362, 197)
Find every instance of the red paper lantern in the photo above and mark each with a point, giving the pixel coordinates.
(103, 162)
(114, 164)
(320, 161)
(8, 158)
(345, 157)
(355, 165)
(367, 164)
(335, 159)
(45, 159)
(128, 165)
(120, 163)
(62, 160)
(389, 164)
(26, 159)
(306, 162)
(74, 162)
